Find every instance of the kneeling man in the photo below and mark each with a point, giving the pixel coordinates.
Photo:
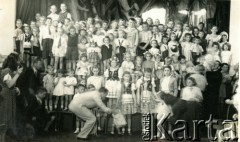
(81, 106)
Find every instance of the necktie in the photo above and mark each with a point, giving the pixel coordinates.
(49, 31)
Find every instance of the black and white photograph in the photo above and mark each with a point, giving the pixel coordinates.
(119, 70)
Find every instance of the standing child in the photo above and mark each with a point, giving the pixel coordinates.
(72, 49)
(48, 83)
(121, 45)
(173, 46)
(213, 37)
(127, 65)
(70, 82)
(53, 14)
(59, 48)
(186, 47)
(145, 89)
(164, 47)
(94, 54)
(128, 99)
(79, 89)
(27, 46)
(82, 69)
(36, 51)
(106, 51)
(196, 49)
(154, 50)
(59, 88)
(112, 76)
(203, 42)
(148, 63)
(144, 39)
(132, 37)
(82, 45)
(63, 14)
(226, 54)
(18, 37)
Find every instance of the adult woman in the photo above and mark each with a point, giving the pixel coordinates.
(168, 84)
(9, 75)
(225, 89)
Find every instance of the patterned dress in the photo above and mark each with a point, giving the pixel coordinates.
(128, 106)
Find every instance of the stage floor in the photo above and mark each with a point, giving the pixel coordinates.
(68, 137)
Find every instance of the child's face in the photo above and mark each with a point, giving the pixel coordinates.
(127, 77)
(144, 27)
(139, 61)
(214, 30)
(173, 37)
(60, 31)
(195, 31)
(114, 25)
(63, 7)
(149, 21)
(41, 95)
(121, 22)
(179, 27)
(53, 9)
(92, 44)
(155, 29)
(161, 28)
(55, 23)
(49, 22)
(80, 89)
(225, 47)
(158, 58)
(113, 63)
(95, 71)
(84, 58)
(121, 34)
(42, 20)
(66, 22)
(50, 71)
(165, 40)
(72, 31)
(35, 31)
(201, 34)
(183, 61)
(115, 34)
(168, 62)
(131, 24)
(188, 38)
(156, 22)
(27, 30)
(37, 16)
(175, 59)
(104, 25)
(147, 74)
(154, 44)
(139, 20)
(169, 31)
(19, 24)
(98, 25)
(167, 71)
(189, 83)
(90, 20)
(84, 41)
(197, 41)
(33, 25)
(83, 33)
(224, 38)
(148, 57)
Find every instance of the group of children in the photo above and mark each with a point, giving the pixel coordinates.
(125, 56)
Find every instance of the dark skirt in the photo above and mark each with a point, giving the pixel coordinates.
(36, 51)
(72, 53)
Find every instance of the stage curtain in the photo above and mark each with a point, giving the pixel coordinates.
(26, 9)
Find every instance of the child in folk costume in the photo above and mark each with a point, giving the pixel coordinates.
(145, 93)
(128, 99)
(59, 48)
(82, 69)
(164, 47)
(121, 45)
(137, 69)
(48, 83)
(119, 121)
(154, 50)
(59, 88)
(113, 76)
(94, 54)
(106, 52)
(127, 65)
(69, 84)
(72, 49)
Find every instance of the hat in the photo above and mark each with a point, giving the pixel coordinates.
(224, 33)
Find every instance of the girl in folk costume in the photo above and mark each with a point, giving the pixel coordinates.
(63, 14)
(94, 54)
(121, 45)
(113, 76)
(127, 99)
(132, 37)
(137, 69)
(145, 93)
(106, 51)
